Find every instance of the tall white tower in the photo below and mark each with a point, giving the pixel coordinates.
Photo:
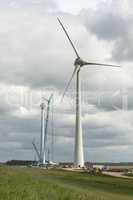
(79, 154)
(46, 128)
(42, 132)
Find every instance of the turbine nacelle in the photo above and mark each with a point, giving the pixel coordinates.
(80, 62)
(48, 100)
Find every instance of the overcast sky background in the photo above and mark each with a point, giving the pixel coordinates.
(37, 60)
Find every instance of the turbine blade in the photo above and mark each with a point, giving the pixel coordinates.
(68, 37)
(44, 99)
(100, 64)
(69, 83)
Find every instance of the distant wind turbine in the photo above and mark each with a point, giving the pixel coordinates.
(46, 127)
(78, 64)
(42, 131)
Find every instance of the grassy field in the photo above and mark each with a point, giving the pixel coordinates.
(39, 184)
(129, 175)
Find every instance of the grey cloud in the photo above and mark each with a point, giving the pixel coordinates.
(123, 49)
(38, 53)
(106, 26)
(112, 26)
(34, 53)
(115, 154)
(98, 133)
(31, 5)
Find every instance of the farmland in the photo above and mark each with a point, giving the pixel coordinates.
(40, 184)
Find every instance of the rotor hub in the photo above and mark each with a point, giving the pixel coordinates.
(79, 62)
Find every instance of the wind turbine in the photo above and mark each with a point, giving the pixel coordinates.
(78, 64)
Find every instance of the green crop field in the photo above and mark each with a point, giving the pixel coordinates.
(39, 184)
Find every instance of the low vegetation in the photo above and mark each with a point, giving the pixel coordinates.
(40, 184)
(129, 175)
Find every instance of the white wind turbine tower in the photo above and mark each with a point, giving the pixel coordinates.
(42, 131)
(78, 64)
(46, 128)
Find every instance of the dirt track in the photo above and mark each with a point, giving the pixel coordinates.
(117, 174)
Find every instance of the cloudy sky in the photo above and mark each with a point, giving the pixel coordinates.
(37, 60)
